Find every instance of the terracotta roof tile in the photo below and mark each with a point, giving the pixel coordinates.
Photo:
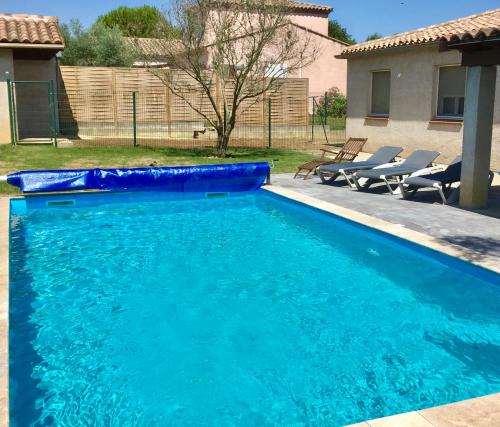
(30, 29)
(485, 24)
(151, 48)
(294, 5)
(311, 6)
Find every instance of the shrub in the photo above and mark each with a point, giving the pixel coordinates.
(336, 103)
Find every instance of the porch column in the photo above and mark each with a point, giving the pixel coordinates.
(6, 72)
(478, 126)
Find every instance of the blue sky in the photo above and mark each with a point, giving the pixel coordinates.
(361, 17)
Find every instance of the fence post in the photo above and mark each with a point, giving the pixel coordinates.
(134, 117)
(323, 121)
(52, 115)
(313, 118)
(325, 110)
(269, 124)
(224, 119)
(14, 113)
(11, 111)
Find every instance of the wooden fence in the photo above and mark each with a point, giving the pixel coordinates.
(96, 102)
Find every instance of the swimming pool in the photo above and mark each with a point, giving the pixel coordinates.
(155, 309)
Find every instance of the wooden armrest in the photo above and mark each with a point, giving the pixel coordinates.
(329, 151)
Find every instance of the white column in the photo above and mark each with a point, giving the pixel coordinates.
(6, 72)
(478, 126)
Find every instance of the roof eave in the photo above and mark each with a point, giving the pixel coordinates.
(318, 10)
(317, 33)
(51, 46)
(457, 43)
(362, 53)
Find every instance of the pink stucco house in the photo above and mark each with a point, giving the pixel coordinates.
(311, 20)
(327, 70)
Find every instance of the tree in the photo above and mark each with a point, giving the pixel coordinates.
(144, 21)
(374, 36)
(337, 31)
(98, 46)
(233, 53)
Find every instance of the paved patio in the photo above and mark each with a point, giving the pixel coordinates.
(477, 232)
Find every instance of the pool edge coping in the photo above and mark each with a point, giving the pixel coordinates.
(481, 411)
(396, 230)
(485, 408)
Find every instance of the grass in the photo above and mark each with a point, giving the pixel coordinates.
(15, 158)
(333, 123)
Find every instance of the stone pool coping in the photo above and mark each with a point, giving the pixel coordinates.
(479, 412)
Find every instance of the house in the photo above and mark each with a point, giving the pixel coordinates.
(28, 49)
(410, 89)
(327, 70)
(309, 20)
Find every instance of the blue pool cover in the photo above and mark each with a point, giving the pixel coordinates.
(205, 178)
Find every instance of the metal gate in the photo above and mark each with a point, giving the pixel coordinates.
(32, 111)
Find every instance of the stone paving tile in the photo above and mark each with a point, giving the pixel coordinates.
(480, 412)
(410, 419)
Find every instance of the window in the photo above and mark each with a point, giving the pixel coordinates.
(451, 92)
(381, 93)
(279, 71)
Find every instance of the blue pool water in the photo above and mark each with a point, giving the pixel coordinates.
(238, 311)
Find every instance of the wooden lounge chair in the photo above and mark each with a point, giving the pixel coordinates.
(346, 154)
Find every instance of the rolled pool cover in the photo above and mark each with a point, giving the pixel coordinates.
(205, 178)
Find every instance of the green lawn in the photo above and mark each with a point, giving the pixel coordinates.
(333, 123)
(15, 158)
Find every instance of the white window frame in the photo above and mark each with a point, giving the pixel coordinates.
(437, 116)
(278, 71)
(370, 106)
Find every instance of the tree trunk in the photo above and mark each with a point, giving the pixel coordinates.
(223, 142)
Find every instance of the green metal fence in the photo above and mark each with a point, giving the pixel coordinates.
(325, 128)
(123, 118)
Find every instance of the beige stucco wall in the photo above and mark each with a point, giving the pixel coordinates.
(414, 73)
(6, 72)
(32, 100)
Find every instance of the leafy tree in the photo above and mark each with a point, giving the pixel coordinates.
(98, 46)
(336, 103)
(374, 36)
(144, 21)
(233, 55)
(337, 31)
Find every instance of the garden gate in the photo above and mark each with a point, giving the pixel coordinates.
(32, 111)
